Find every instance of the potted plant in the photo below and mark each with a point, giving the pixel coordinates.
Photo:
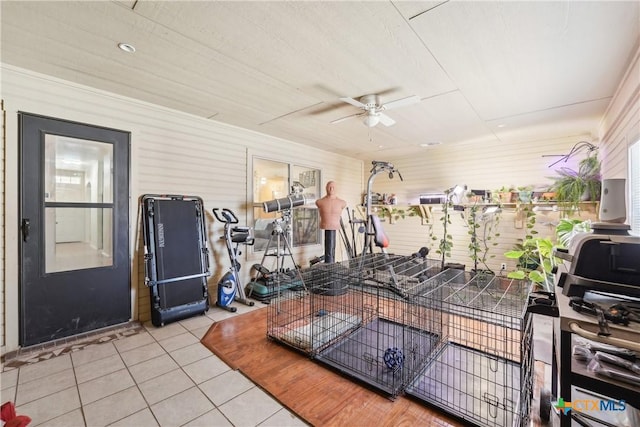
(572, 187)
(504, 194)
(525, 194)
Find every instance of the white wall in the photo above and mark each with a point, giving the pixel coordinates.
(171, 153)
(621, 125)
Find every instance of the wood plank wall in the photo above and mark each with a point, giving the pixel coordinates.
(171, 152)
(163, 160)
(485, 166)
(407, 235)
(621, 124)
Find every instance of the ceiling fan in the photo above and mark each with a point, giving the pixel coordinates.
(373, 109)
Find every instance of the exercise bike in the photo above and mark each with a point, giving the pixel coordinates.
(229, 288)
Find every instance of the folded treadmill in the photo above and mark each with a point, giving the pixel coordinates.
(176, 256)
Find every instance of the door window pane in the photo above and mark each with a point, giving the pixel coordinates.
(77, 238)
(77, 170)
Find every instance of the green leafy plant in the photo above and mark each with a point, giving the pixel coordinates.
(503, 194)
(482, 229)
(528, 259)
(540, 249)
(525, 193)
(572, 187)
(525, 213)
(472, 227)
(526, 251)
(568, 228)
(395, 213)
(446, 242)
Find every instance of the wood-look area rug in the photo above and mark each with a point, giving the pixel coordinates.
(318, 395)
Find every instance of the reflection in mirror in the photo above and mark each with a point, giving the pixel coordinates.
(305, 218)
(270, 182)
(275, 180)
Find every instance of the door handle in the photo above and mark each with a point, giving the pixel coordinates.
(26, 226)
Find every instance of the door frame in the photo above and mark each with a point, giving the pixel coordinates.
(121, 231)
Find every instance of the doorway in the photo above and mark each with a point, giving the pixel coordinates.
(74, 207)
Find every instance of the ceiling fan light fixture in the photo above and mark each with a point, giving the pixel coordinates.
(370, 120)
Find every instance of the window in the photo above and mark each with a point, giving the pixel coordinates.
(273, 181)
(634, 188)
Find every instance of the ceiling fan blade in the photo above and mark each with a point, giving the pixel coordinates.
(326, 108)
(386, 120)
(413, 99)
(341, 119)
(353, 102)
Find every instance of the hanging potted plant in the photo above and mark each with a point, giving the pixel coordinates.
(572, 187)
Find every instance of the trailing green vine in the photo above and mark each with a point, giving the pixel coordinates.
(481, 242)
(396, 213)
(446, 242)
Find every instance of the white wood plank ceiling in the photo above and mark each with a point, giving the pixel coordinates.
(484, 71)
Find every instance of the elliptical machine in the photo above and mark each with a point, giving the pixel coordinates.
(229, 287)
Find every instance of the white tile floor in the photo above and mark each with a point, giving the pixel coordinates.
(158, 377)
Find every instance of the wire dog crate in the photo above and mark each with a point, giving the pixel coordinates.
(356, 318)
(482, 371)
(394, 340)
(394, 275)
(310, 319)
(458, 341)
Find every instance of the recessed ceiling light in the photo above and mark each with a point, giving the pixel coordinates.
(127, 47)
(501, 125)
(430, 144)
